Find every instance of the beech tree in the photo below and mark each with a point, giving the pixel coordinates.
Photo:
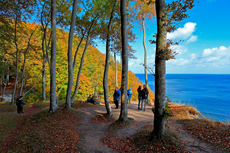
(124, 111)
(144, 10)
(70, 59)
(53, 96)
(105, 79)
(167, 17)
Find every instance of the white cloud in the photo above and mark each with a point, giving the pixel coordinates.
(214, 57)
(192, 39)
(183, 33)
(179, 49)
(131, 63)
(208, 52)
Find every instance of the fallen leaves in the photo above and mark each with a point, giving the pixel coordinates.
(140, 142)
(102, 118)
(44, 132)
(216, 133)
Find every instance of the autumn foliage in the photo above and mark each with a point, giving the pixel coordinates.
(92, 68)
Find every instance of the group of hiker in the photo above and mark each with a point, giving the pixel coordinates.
(142, 97)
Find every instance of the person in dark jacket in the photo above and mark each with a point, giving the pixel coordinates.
(117, 96)
(139, 96)
(145, 94)
(91, 99)
(20, 103)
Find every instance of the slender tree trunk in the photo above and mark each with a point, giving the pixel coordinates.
(115, 60)
(124, 111)
(8, 75)
(75, 56)
(95, 89)
(53, 97)
(24, 63)
(44, 67)
(82, 59)
(145, 59)
(105, 79)
(22, 78)
(79, 71)
(16, 77)
(70, 58)
(159, 119)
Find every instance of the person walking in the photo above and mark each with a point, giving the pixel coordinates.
(129, 94)
(117, 96)
(139, 96)
(145, 93)
(20, 103)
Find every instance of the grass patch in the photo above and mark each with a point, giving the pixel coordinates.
(183, 112)
(7, 107)
(216, 133)
(45, 132)
(41, 104)
(7, 123)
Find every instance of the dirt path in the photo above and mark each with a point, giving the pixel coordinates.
(92, 132)
(191, 143)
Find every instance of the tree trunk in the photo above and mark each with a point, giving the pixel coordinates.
(22, 78)
(44, 66)
(95, 89)
(124, 111)
(145, 59)
(8, 75)
(75, 56)
(53, 97)
(79, 71)
(16, 77)
(105, 79)
(82, 59)
(70, 58)
(24, 63)
(159, 119)
(115, 60)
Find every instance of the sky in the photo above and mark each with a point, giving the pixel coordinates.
(206, 41)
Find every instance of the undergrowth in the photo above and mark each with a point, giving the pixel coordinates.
(45, 132)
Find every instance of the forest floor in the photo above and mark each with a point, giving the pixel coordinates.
(86, 128)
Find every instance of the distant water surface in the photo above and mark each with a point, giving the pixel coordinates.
(209, 93)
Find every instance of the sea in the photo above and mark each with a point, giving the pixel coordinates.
(209, 93)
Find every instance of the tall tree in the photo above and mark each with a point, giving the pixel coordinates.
(144, 10)
(53, 96)
(24, 63)
(167, 16)
(124, 111)
(83, 55)
(105, 79)
(159, 119)
(70, 58)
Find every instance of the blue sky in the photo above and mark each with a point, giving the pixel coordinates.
(206, 45)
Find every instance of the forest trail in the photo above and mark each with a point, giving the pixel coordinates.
(92, 132)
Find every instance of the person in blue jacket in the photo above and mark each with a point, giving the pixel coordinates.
(117, 96)
(129, 94)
